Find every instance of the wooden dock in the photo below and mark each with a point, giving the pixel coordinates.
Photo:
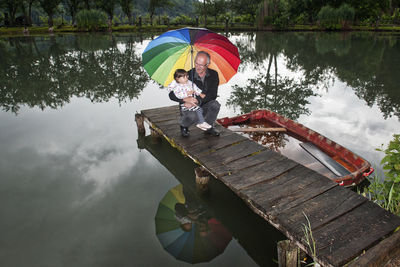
(347, 228)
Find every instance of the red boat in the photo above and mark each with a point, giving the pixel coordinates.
(345, 167)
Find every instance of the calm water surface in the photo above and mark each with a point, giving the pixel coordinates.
(79, 189)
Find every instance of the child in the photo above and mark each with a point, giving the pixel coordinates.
(182, 88)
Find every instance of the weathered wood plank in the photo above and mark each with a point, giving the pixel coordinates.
(380, 254)
(243, 163)
(320, 210)
(285, 191)
(230, 153)
(346, 237)
(272, 167)
(154, 112)
(210, 143)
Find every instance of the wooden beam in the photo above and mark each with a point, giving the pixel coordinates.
(278, 129)
(386, 250)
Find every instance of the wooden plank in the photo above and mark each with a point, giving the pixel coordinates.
(272, 167)
(163, 110)
(346, 237)
(244, 163)
(164, 117)
(230, 153)
(320, 210)
(210, 144)
(382, 253)
(286, 191)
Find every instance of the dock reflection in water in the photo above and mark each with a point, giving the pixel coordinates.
(219, 206)
(186, 230)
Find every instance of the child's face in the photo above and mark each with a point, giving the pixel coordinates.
(182, 79)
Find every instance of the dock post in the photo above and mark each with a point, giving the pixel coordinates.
(155, 136)
(288, 254)
(140, 123)
(202, 179)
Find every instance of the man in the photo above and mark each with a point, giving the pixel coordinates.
(207, 80)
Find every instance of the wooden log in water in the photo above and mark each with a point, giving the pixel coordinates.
(277, 129)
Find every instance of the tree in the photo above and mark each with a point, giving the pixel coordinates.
(12, 7)
(30, 4)
(72, 8)
(107, 6)
(246, 7)
(87, 4)
(157, 4)
(218, 8)
(50, 7)
(127, 7)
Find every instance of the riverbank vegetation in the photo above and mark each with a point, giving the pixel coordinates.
(100, 15)
(386, 191)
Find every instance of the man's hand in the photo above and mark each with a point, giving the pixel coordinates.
(190, 102)
(202, 95)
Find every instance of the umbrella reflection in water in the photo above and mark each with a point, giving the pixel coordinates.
(185, 231)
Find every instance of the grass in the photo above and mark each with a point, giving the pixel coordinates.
(309, 240)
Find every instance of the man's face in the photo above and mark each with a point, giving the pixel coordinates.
(201, 65)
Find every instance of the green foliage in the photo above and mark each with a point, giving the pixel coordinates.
(247, 18)
(1, 17)
(91, 19)
(281, 15)
(183, 20)
(386, 193)
(328, 18)
(346, 13)
(396, 16)
(303, 18)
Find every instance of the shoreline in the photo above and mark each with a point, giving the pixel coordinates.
(16, 31)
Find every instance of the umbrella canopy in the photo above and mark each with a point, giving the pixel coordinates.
(203, 242)
(177, 49)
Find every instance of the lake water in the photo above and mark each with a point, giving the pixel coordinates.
(79, 189)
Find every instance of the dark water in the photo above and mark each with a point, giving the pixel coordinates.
(79, 189)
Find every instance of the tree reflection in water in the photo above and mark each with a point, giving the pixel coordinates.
(313, 61)
(46, 72)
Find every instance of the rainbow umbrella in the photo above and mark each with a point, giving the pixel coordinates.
(177, 49)
(192, 246)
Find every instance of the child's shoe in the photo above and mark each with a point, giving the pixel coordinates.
(204, 126)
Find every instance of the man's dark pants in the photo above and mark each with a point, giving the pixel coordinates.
(210, 113)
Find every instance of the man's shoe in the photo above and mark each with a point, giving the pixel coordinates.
(184, 131)
(212, 131)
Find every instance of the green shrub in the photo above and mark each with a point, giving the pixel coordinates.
(386, 193)
(222, 17)
(183, 20)
(303, 18)
(328, 17)
(91, 19)
(281, 22)
(345, 14)
(1, 17)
